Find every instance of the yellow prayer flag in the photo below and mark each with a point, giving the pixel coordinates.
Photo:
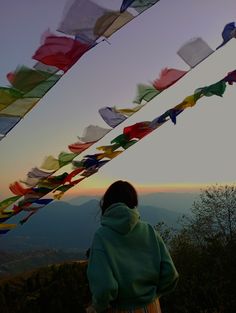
(7, 226)
(106, 149)
(59, 195)
(50, 163)
(111, 155)
(129, 111)
(20, 107)
(188, 102)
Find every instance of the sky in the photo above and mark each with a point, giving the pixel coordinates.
(198, 150)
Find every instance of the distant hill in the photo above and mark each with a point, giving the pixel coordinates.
(64, 226)
(173, 201)
(177, 202)
(13, 263)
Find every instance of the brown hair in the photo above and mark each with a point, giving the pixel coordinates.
(119, 191)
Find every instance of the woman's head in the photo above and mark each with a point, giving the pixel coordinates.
(119, 191)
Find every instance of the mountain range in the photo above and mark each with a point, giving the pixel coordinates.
(70, 225)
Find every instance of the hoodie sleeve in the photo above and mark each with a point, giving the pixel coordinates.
(103, 286)
(168, 274)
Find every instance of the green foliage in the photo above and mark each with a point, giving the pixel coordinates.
(54, 289)
(204, 252)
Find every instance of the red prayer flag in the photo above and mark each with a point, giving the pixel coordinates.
(138, 130)
(78, 147)
(18, 189)
(168, 77)
(60, 51)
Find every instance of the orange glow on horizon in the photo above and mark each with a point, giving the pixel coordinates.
(142, 189)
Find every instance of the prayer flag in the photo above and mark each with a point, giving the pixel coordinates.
(194, 51)
(61, 52)
(80, 18)
(168, 77)
(7, 123)
(20, 107)
(93, 133)
(50, 163)
(145, 92)
(228, 33)
(110, 22)
(111, 117)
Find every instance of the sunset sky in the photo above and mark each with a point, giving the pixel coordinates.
(199, 150)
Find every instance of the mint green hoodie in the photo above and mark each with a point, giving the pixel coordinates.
(129, 265)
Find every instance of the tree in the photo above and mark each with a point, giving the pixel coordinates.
(214, 214)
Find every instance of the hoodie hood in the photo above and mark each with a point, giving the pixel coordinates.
(120, 218)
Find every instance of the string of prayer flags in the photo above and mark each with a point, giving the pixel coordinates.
(146, 93)
(83, 19)
(168, 77)
(228, 33)
(60, 51)
(111, 116)
(194, 51)
(90, 164)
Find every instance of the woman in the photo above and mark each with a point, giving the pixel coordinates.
(129, 266)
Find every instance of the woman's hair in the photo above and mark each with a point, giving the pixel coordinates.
(119, 191)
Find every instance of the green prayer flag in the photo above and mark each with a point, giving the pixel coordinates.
(129, 144)
(217, 89)
(64, 188)
(7, 202)
(121, 139)
(65, 158)
(9, 95)
(42, 88)
(25, 79)
(145, 92)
